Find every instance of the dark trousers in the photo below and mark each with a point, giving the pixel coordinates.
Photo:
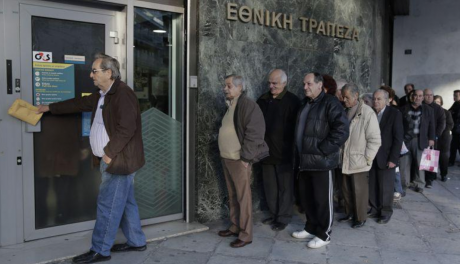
(316, 191)
(381, 187)
(355, 188)
(454, 147)
(278, 187)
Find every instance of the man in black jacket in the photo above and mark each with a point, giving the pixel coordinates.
(455, 143)
(279, 107)
(405, 99)
(419, 133)
(321, 129)
(382, 173)
(439, 126)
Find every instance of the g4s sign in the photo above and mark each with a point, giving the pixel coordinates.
(43, 56)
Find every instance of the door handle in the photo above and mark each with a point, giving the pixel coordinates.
(34, 129)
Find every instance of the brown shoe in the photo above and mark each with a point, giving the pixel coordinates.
(238, 243)
(226, 233)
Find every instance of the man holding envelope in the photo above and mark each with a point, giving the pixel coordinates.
(116, 142)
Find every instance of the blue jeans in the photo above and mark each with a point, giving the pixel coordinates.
(398, 187)
(116, 207)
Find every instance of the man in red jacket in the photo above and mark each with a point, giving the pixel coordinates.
(116, 141)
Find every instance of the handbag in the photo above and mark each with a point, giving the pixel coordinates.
(430, 160)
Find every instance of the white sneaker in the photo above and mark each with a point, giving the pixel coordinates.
(302, 234)
(317, 243)
(396, 196)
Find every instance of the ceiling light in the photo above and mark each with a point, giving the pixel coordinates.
(159, 31)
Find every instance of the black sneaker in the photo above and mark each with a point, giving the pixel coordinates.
(418, 189)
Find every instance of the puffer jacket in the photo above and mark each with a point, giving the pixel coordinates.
(364, 142)
(326, 129)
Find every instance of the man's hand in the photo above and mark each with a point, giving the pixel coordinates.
(43, 109)
(106, 159)
(391, 165)
(245, 164)
(431, 143)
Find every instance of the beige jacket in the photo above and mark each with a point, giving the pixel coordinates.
(364, 141)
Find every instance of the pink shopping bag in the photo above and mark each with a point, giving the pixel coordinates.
(430, 160)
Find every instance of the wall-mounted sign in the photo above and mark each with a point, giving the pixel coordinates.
(42, 56)
(53, 82)
(268, 18)
(85, 120)
(74, 59)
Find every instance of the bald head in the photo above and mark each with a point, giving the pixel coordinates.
(428, 97)
(277, 80)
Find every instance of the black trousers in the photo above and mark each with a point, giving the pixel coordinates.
(279, 191)
(454, 147)
(316, 195)
(381, 188)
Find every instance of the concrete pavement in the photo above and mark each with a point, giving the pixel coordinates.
(425, 228)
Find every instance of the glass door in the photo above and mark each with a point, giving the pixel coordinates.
(60, 182)
(158, 83)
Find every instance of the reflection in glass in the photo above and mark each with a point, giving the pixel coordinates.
(65, 182)
(158, 86)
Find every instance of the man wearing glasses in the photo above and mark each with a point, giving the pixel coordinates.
(116, 142)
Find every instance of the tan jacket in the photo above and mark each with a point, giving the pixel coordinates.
(361, 147)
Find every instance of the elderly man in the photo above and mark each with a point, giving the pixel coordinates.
(321, 129)
(439, 126)
(455, 143)
(358, 153)
(241, 143)
(419, 133)
(116, 141)
(279, 107)
(382, 173)
(405, 99)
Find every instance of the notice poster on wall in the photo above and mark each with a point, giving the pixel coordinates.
(53, 82)
(85, 121)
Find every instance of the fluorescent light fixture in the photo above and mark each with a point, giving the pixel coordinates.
(159, 31)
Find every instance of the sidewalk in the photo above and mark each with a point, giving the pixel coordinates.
(423, 229)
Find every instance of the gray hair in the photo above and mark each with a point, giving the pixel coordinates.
(386, 95)
(283, 75)
(237, 80)
(109, 63)
(353, 88)
(366, 96)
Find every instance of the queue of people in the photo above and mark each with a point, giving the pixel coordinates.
(331, 146)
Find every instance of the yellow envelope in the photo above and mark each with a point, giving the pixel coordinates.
(24, 111)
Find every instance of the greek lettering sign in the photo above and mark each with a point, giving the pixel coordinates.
(53, 82)
(268, 18)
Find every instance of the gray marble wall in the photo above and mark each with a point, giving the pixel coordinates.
(252, 50)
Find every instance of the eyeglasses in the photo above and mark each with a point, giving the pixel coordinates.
(97, 70)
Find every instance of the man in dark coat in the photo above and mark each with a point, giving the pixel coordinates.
(279, 107)
(321, 129)
(439, 126)
(419, 134)
(116, 141)
(405, 99)
(382, 173)
(455, 143)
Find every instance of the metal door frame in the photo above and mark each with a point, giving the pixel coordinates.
(89, 15)
(130, 74)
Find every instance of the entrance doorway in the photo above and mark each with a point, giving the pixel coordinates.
(57, 49)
